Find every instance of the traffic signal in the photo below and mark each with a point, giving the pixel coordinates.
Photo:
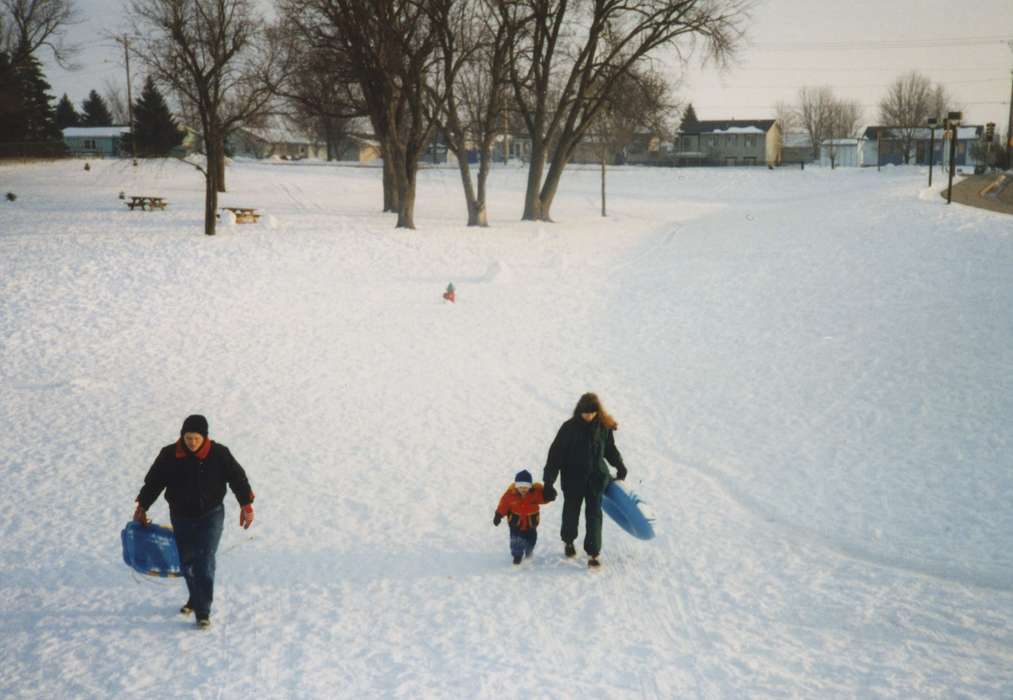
(989, 132)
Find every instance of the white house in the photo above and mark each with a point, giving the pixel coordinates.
(885, 145)
(841, 153)
(98, 141)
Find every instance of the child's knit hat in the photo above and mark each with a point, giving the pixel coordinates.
(523, 478)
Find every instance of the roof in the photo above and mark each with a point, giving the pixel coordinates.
(729, 126)
(95, 131)
(963, 132)
(797, 140)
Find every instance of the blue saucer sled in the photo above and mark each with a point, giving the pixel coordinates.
(628, 511)
(150, 550)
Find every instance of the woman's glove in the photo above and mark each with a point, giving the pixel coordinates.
(548, 493)
(140, 516)
(496, 519)
(620, 473)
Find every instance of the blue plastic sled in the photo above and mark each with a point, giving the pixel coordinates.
(628, 511)
(150, 550)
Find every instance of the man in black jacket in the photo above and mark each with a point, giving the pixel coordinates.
(194, 471)
(581, 448)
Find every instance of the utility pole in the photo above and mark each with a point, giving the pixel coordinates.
(953, 119)
(1009, 125)
(932, 145)
(125, 40)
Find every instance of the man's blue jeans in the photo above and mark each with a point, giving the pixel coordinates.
(197, 541)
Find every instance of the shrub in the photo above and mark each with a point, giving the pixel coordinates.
(11, 196)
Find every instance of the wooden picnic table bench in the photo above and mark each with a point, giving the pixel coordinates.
(146, 203)
(244, 215)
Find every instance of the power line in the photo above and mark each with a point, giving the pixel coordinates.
(887, 44)
(810, 69)
(1004, 81)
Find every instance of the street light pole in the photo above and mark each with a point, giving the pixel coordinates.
(125, 40)
(932, 146)
(953, 120)
(1009, 125)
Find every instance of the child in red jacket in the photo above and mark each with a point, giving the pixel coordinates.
(519, 505)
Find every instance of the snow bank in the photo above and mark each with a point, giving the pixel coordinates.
(818, 407)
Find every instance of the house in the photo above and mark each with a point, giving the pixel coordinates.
(885, 145)
(796, 148)
(357, 148)
(729, 142)
(273, 140)
(97, 141)
(841, 153)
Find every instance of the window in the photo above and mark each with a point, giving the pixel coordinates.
(90, 143)
(733, 140)
(750, 141)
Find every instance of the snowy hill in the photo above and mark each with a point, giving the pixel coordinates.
(812, 373)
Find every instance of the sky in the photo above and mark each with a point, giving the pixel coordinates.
(856, 47)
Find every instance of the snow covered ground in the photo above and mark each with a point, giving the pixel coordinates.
(812, 372)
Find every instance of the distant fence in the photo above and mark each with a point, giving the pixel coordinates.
(33, 149)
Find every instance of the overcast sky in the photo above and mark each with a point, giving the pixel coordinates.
(855, 46)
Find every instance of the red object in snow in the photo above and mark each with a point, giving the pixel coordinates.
(451, 294)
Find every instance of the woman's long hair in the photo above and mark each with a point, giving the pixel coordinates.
(590, 403)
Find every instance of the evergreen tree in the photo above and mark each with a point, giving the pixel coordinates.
(35, 119)
(688, 117)
(94, 111)
(11, 103)
(66, 115)
(154, 127)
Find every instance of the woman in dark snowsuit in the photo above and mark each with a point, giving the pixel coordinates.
(582, 446)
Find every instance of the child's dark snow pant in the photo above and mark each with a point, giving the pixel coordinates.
(197, 541)
(522, 542)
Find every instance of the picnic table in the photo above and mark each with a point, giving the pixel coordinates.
(145, 203)
(244, 215)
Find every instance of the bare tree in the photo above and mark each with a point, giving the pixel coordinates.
(216, 56)
(813, 114)
(474, 49)
(316, 92)
(787, 119)
(845, 119)
(910, 101)
(388, 49)
(639, 104)
(29, 25)
(567, 54)
(116, 102)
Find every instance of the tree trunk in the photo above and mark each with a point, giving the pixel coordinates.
(485, 164)
(406, 191)
(210, 201)
(391, 200)
(532, 202)
(220, 164)
(476, 206)
(548, 192)
(603, 159)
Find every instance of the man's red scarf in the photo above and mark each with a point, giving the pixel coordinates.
(202, 453)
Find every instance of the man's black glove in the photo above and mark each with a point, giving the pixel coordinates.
(620, 473)
(496, 519)
(548, 493)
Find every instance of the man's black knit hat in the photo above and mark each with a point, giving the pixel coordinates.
(195, 424)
